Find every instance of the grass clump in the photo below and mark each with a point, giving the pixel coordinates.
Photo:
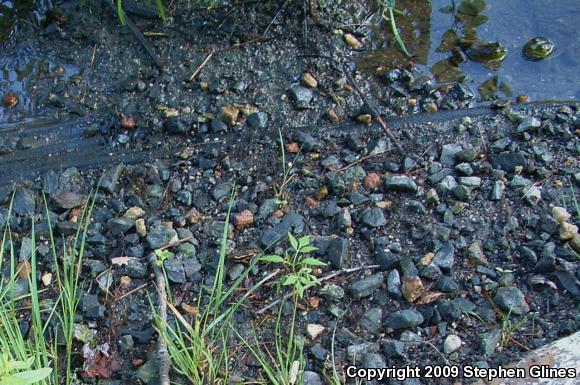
(199, 349)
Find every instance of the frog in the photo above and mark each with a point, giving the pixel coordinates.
(538, 48)
(489, 54)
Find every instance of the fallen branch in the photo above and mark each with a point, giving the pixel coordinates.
(323, 279)
(162, 352)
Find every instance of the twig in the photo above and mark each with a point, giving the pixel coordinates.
(323, 279)
(131, 292)
(162, 352)
(373, 110)
(171, 244)
(200, 67)
(361, 160)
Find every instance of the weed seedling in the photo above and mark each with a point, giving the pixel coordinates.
(13, 372)
(298, 264)
(388, 11)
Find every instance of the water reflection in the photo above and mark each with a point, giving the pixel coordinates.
(480, 44)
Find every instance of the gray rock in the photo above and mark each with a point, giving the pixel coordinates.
(373, 360)
(356, 351)
(511, 299)
(136, 269)
(438, 176)
(445, 257)
(451, 343)
(148, 372)
(373, 217)
(267, 207)
(464, 169)
(508, 161)
(159, 236)
(367, 286)
(446, 185)
(91, 307)
(404, 319)
(126, 342)
(394, 348)
(289, 222)
(519, 181)
(371, 320)
(528, 124)
(307, 141)
(120, 225)
(176, 125)
(448, 154)
(110, 180)
(470, 181)
(533, 195)
(185, 197)
(386, 259)
(394, 284)
(301, 96)
(24, 202)
(497, 190)
(175, 270)
(399, 183)
(68, 199)
(489, 341)
(337, 252)
(462, 193)
(258, 119)
(311, 378)
(218, 126)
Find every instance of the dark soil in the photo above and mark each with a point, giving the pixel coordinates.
(460, 229)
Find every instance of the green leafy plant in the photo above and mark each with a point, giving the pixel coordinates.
(280, 188)
(388, 11)
(298, 264)
(14, 372)
(509, 328)
(162, 256)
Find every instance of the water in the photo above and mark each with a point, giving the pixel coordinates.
(511, 23)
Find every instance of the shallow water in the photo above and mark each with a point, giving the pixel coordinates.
(511, 23)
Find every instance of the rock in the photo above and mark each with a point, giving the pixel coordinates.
(176, 125)
(82, 333)
(307, 142)
(412, 288)
(476, 253)
(91, 307)
(24, 202)
(258, 120)
(528, 255)
(519, 181)
(447, 185)
(148, 372)
(301, 96)
(404, 319)
(217, 126)
(394, 287)
(464, 169)
(229, 114)
(159, 236)
(134, 212)
(184, 197)
(126, 342)
(445, 257)
(311, 378)
(120, 225)
(356, 351)
(560, 214)
(528, 123)
(489, 341)
(470, 181)
(314, 330)
(367, 286)
(511, 300)
(46, 279)
(567, 231)
(373, 217)
(175, 270)
(309, 80)
(279, 231)
(508, 161)
(372, 181)
(337, 252)
(452, 343)
(373, 360)
(462, 193)
(140, 227)
(267, 207)
(371, 320)
(68, 199)
(399, 183)
(67, 228)
(387, 259)
(136, 268)
(448, 154)
(533, 195)
(243, 219)
(497, 191)
(110, 180)
(569, 283)
(351, 40)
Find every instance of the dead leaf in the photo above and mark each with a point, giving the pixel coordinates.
(429, 297)
(120, 261)
(412, 288)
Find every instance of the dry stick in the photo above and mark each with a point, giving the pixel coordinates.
(323, 279)
(200, 67)
(361, 160)
(171, 244)
(162, 352)
(373, 111)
